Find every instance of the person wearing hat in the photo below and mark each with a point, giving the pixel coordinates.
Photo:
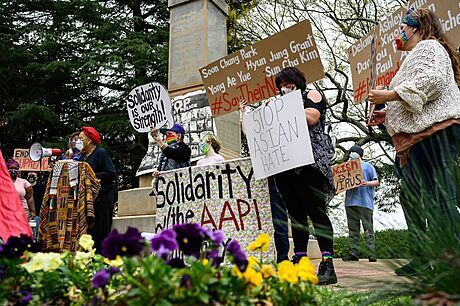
(175, 153)
(359, 206)
(101, 163)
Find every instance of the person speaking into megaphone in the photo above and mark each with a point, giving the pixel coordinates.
(101, 163)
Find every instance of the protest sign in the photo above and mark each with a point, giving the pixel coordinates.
(149, 106)
(278, 137)
(223, 196)
(26, 164)
(388, 58)
(249, 74)
(193, 112)
(347, 175)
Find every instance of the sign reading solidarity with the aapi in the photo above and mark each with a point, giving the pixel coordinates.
(223, 196)
(278, 137)
(26, 164)
(388, 59)
(347, 175)
(149, 106)
(249, 74)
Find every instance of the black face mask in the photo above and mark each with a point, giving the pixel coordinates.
(13, 173)
(31, 179)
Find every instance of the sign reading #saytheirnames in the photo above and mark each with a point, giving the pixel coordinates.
(249, 74)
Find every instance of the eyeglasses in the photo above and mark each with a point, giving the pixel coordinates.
(13, 171)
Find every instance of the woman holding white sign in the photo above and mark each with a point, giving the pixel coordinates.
(307, 190)
(423, 118)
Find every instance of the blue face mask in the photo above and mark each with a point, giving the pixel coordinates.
(353, 155)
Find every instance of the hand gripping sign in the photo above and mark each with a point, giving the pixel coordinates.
(149, 106)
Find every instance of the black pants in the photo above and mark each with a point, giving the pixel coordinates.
(303, 192)
(103, 210)
(428, 182)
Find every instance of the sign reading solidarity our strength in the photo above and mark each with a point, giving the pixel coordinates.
(388, 59)
(249, 74)
(224, 196)
(278, 137)
(26, 164)
(149, 106)
(347, 175)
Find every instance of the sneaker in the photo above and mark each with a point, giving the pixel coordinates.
(372, 259)
(326, 272)
(350, 257)
(297, 256)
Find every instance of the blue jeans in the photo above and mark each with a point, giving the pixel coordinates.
(280, 221)
(429, 182)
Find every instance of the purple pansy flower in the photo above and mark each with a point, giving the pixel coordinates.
(216, 236)
(101, 278)
(163, 243)
(190, 237)
(15, 246)
(25, 299)
(176, 263)
(239, 257)
(127, 244)
(186, 281)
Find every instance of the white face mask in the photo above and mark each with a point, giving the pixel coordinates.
(286, 90)
(354, 155)
(79, 145)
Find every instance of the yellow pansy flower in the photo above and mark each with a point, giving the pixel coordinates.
(117, 262)
(267, 271)
(253, 277)
(205, 261)
(44, 261)
(261, 244)
(86, 242)
(287, 272)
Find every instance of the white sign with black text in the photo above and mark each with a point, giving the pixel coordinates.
(278, 137)
(149, 106)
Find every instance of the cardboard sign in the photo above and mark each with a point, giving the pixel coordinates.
(347, 175)
(26, 164)
(193, 112)
(278, 137)
(224, 196)
(149, 106)
(249, 74)
(388, 58)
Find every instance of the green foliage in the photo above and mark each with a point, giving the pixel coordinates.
(65, 64)
(388, 244)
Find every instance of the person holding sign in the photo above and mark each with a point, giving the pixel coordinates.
(423, 118)
(102, 165)
(175, 153)
(210, 147)
(359, 206)
(307, 190)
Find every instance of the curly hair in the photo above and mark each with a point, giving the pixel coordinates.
(431, 28)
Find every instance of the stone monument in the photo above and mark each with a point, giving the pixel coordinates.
(198, 36)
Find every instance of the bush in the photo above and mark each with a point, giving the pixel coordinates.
(388, 244)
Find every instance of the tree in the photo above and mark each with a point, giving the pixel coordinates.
(65, 64)
(336, 25)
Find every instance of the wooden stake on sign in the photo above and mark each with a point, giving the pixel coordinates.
(373, 78)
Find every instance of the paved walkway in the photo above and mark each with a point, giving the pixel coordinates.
(365, 275)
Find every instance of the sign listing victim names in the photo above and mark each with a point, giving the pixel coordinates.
(249, 74)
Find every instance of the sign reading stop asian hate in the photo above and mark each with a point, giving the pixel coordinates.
(223, 196)
(249, 74)
(278, 137)
(347, 175)
(149, 106)
(388, 59)
(26, 164)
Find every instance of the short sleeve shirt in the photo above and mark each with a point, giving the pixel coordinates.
(363, 196)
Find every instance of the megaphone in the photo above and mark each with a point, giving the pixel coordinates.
(36, 152)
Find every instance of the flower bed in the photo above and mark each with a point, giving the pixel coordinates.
(186, 265)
